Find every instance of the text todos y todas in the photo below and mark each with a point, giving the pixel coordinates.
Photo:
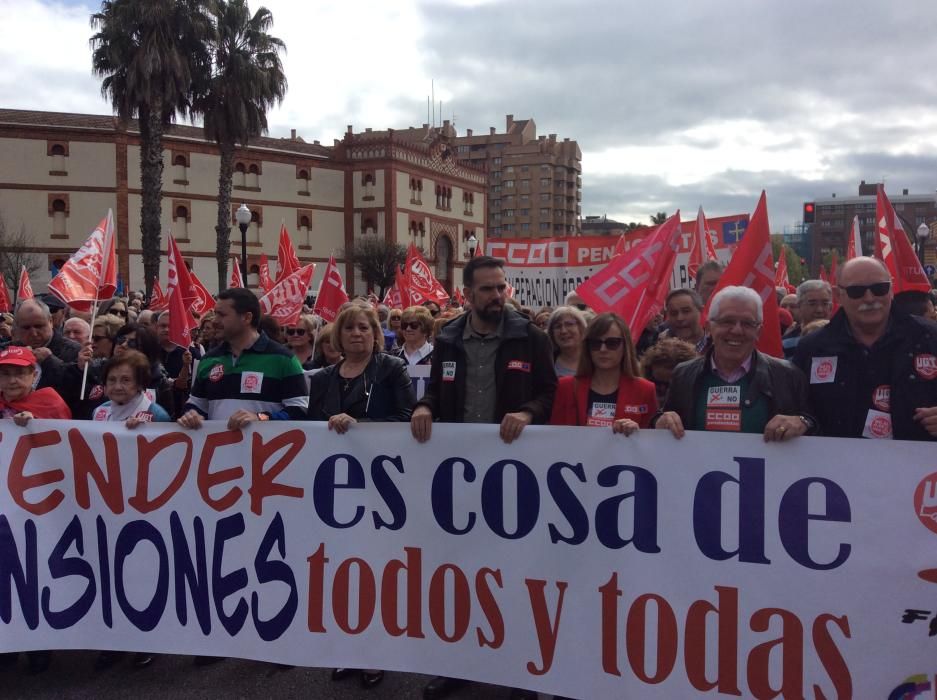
(190, 558)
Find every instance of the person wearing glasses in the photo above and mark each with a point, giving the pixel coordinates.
(814, 303)
(416, 325)
(734, 387)
(300, 339)
(566, 328)
(873, 369)
(606, 390)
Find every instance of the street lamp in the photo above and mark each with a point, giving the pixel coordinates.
(243, 217)
(923, 233)
(472, 245)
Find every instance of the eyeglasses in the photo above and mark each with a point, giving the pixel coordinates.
(731, 323)
(410, 325)
(296, 331)
(611, 343)
(818, 303)
(857, 291)
(96, 338)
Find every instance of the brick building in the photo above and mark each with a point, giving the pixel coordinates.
(834, 216)
(534, 182)
(59, 173)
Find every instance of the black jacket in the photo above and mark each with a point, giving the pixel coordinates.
(782, 385)
(529, 385)
(904, 360)
(386, 394)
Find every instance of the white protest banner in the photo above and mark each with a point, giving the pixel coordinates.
(544, 270)
(571, 561)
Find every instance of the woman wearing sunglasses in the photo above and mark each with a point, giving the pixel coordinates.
(300, 339)
(606, 390)
(416, 325)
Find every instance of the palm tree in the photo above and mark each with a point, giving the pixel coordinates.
(246, 80)
(147, 52)
(659, 218)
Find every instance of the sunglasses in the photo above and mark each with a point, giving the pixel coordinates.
(857, 291)
(296, 331)
(119, 312)
(611, 343)
(129, 342)
(411, 325)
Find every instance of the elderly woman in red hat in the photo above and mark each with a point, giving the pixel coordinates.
(19, 399)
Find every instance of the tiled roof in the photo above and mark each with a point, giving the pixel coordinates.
(110, 122)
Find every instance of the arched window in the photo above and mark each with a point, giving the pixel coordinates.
(58, 152)
(302, 181)
(368, 227)
(181, 222)
(305, 226)
(58, 217)
(179, 165)
(368, 186)
(253, 231)
(239, 179)
(253, 175)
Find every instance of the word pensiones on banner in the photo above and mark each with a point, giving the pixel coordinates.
(554, 563)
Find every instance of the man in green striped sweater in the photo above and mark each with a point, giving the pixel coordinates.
(247, 377)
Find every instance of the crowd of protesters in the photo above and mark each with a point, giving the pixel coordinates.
(867, 370)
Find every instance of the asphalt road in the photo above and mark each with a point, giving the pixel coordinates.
(71, 676)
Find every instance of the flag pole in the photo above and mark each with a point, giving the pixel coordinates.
(84, 374)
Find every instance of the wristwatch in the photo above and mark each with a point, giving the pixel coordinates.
(808, 422)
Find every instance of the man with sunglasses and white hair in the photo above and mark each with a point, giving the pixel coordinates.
(873, 369)
(734, 387)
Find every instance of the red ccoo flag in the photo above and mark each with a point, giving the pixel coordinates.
(266, 283)
(393, 298)
(91, 273)
(635, 284)
(701, 241)
(894, 249)
(285, 301)
(752, 265)
(236, 281)
(158, 302)
(331, 294)
(202, 300)
(181, 320)
(287, 261)
(854, 248)
(25, 290)
(781, 277)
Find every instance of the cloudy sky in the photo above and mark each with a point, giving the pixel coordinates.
(675, 104)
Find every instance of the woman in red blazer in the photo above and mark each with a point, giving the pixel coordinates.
(607, 389)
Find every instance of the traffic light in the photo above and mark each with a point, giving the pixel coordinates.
(810, 212)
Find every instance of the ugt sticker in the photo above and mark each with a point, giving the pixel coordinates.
(216, 373)
(448, 371)
(881, 398)
(823, 370)
(251, 382)
(925, 366)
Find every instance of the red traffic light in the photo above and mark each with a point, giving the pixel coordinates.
(809, 212)
(808, 208)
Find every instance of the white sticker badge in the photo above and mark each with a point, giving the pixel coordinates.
(877, 425)
(823, 370)
(724, 397)
(448, 371)
(251, 382)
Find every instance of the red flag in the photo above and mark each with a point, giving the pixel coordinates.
(832, 280)
(781, 278)
(893, 247)
(202, 301)
(5, 305)
(91, 273)
(478, 250)
(236, 281)
(752, 265)
(265, 282)
(331, 294)
(159, 301)
(701, 241)
(181, 320)
(619, 246)
(25, 290)
(634, 285)
(285, 301)
(393, 298)
(421, 282)
(287, 262)
(854, 249)
(459, 297)
(823, 272)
